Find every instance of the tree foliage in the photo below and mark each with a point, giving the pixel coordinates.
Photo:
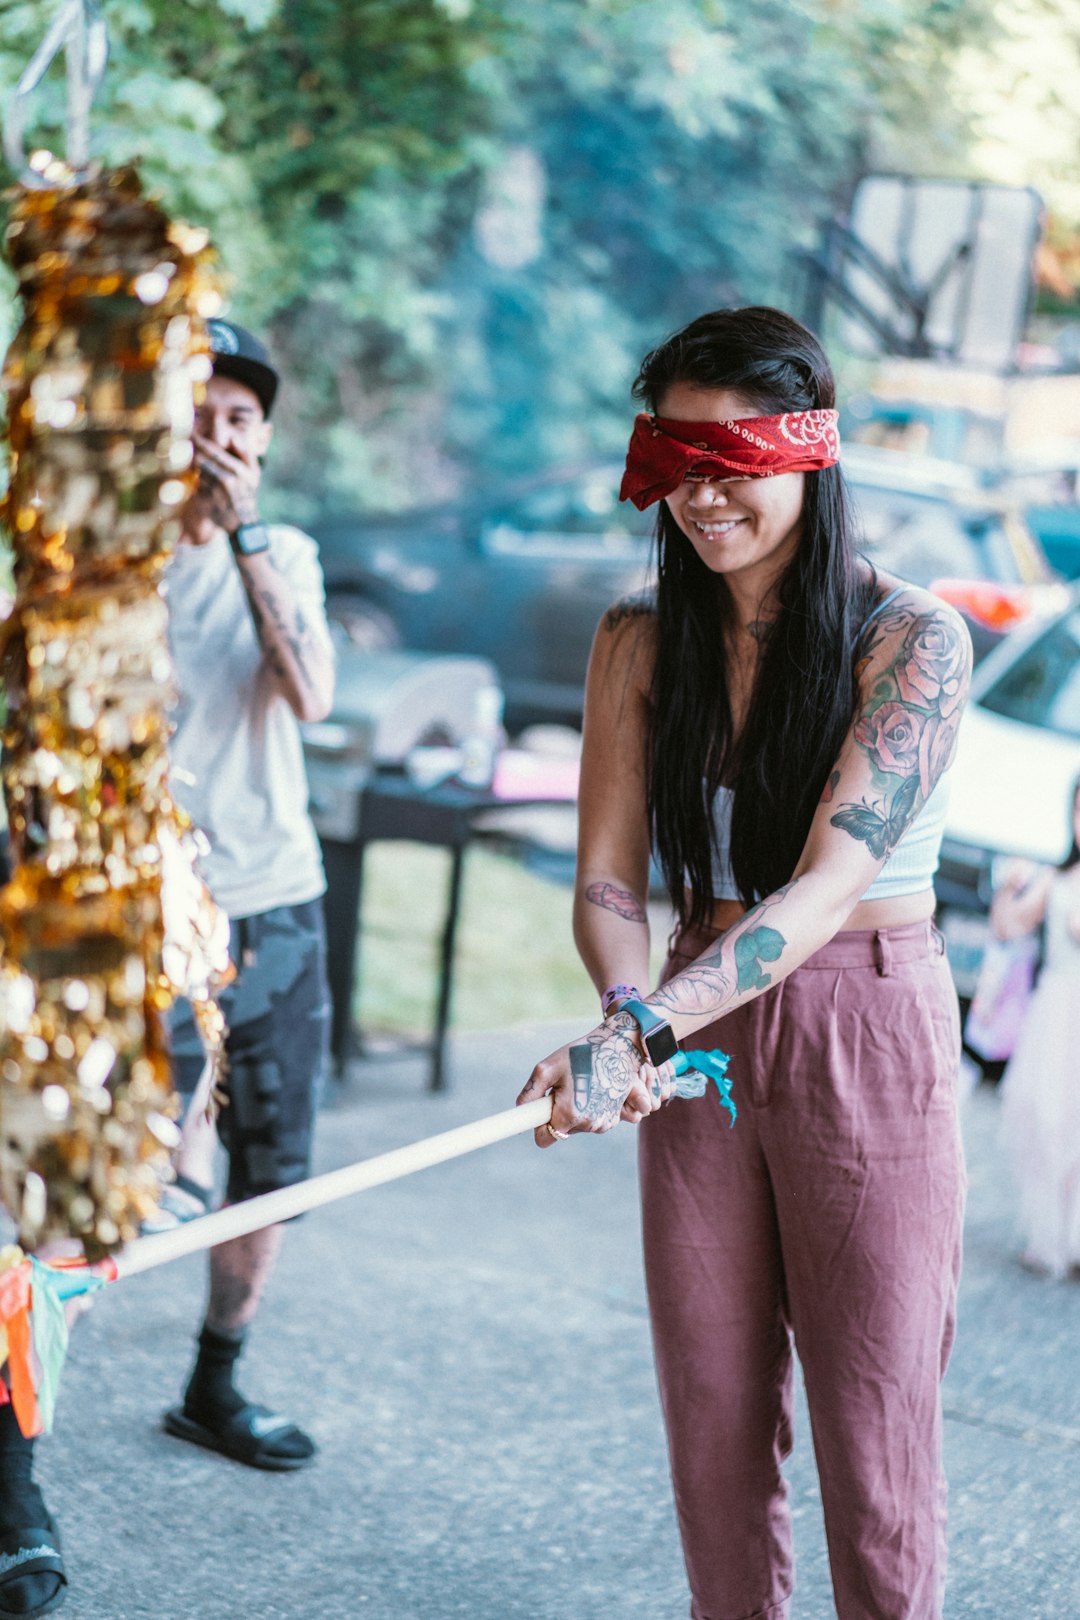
(461, 221)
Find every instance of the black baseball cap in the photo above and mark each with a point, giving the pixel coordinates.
(238, 353)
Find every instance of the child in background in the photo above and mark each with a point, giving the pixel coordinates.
(1041, 1086)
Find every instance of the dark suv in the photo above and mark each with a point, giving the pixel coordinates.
(520, 579)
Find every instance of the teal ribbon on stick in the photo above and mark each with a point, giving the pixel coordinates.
(696, 1069)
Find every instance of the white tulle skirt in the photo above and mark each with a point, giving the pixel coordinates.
(1041, 1122)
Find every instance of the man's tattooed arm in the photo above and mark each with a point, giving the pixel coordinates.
(623, 902)
(301, 659)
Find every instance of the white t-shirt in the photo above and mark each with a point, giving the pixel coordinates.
(236, 737)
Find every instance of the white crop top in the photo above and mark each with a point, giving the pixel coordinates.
(909, 869)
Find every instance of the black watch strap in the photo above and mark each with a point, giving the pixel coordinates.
(249, 539)
(656, 1032)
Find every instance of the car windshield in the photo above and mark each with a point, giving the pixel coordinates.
(1042, 688)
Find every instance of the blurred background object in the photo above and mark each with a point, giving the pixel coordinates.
(1018, 757)
(389, 707)
(929, 268)
(520, 576)
(462, 221)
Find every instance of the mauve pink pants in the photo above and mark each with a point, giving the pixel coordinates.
(831, 1213)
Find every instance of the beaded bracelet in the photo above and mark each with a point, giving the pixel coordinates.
(618, 992)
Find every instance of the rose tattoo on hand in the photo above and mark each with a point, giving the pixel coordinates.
(604, 1067)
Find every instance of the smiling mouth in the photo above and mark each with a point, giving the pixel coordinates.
(717, 531)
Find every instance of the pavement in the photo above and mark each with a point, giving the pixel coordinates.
(470, 1348)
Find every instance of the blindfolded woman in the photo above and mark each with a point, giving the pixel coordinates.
(775, 728)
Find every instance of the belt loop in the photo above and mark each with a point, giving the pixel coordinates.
(883, 959)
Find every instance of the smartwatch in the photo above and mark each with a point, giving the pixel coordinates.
(656, 1033)
(249, 539)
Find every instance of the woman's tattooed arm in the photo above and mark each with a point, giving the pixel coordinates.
(623, 902)
(591, 1081)
(603, 1067)
(733, 964)
(907, 727)
(913, 674)
(914, 677)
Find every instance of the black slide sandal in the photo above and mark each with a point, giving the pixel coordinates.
(247, 1436)
(33, 1551)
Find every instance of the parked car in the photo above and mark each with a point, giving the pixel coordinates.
(937, 524)
(1017, 760)
(522, 576)
(1057, 529)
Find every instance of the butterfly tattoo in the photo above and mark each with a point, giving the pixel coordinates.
(880, 830)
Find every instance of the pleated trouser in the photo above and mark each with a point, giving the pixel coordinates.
(829, 1215)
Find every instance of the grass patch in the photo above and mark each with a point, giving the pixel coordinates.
(515, 960)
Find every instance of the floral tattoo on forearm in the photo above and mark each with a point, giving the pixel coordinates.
(908, 726)
(623, 902)
(731, 966)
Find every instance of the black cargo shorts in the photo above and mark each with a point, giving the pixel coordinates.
(278, 1012)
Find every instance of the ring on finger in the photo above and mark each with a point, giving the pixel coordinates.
(556, 1136)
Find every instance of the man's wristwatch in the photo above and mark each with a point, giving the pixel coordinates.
(249, 539)
(656, 1033)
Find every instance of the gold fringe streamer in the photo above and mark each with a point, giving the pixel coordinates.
(104, 921)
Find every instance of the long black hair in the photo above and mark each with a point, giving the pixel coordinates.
(804, 694)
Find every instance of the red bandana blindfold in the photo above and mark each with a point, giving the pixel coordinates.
(663, 452)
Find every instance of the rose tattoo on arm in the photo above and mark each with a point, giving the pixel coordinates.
(908, 727)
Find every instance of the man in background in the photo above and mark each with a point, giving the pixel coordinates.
(253, 659)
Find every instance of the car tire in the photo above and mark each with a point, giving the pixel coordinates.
(363, 625)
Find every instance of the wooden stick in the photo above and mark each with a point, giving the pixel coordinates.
(270, 1208)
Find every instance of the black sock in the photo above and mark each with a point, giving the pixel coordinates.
(20, 1499)
(211, 1394)
(22, 1507)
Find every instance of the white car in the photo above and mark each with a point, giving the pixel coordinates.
(1017, 764)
